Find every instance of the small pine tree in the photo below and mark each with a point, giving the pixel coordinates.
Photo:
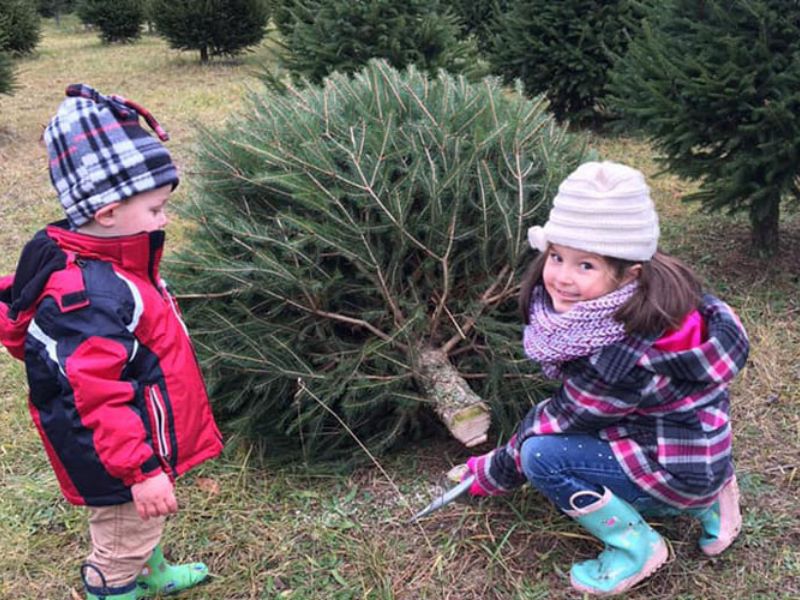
(716, 86)
(285, 12)
(20, 27)
(116, 20)
(55, 8)
(212, 27)
(357, 251)
(7, 75)
(479, 18)
(564, 49)
(342, 35)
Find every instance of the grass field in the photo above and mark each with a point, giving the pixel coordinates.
(286, 533)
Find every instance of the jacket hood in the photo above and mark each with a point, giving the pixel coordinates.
(40, 258)
(717, 359)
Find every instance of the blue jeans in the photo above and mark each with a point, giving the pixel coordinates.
(562, 465)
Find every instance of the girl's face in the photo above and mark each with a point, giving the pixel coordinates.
(572, 276)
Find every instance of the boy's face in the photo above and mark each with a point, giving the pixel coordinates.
(142, 212)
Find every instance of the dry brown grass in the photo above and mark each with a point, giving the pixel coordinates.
(285, 533)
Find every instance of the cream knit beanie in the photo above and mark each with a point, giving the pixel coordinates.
(605, 208)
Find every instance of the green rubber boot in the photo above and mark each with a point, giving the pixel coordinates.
(103, 591)
(633, 550)
(160, 577)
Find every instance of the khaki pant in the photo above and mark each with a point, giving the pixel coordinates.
(121, 543)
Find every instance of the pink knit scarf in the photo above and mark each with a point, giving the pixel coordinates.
(553, 338)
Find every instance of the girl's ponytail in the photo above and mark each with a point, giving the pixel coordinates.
(668, 291)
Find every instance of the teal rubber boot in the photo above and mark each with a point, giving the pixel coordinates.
(721, 522)
(103, 591)
(160, 577)
(633, 549)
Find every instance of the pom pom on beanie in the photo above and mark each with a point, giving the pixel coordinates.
(604, 208)
(99, 153)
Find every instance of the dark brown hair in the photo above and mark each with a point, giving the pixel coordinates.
(668, 291)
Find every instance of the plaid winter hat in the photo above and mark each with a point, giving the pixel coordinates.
(99, 153)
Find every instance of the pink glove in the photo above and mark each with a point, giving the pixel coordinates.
(476, 465)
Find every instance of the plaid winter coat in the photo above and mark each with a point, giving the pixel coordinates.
(665, 414)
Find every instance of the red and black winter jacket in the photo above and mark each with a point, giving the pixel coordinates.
(115, 388)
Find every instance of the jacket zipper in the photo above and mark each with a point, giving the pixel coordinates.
(173, 306)
(160, 415)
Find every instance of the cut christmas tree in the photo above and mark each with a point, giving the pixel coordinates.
(354, 266)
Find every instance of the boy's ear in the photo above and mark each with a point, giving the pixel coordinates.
(105, 216)
(632, 273)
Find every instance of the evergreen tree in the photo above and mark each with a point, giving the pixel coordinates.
(20, 27)
(342, 35)
(116, 20)
(7, 75)
(716, 85)
(55, 8)
(357, 251)
(564, 49)
(285, 12)
(212, 27)
(479, 18)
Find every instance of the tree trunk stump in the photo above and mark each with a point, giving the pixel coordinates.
(462, 411)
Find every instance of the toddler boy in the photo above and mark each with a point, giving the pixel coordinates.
(116, 392)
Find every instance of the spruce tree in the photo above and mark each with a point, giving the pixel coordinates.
(564, 49)
(116, 20)
(20, 27)
(211, 27)
(284, 13)
(342, 35)
(55, 8)
(479, 18)
(356, 254)
(7, 75)
(716, 86)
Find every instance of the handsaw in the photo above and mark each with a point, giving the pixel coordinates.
(445, 498)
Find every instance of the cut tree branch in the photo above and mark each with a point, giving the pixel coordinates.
(486, 299)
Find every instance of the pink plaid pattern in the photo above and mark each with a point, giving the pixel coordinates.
(665, 413)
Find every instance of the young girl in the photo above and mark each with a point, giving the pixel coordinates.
(640, 423)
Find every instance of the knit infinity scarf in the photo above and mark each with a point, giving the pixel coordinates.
(553, 338)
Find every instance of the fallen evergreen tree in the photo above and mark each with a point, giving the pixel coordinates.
(356, 255)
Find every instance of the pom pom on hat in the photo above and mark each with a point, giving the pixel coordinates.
(99, 153)
(604, 208)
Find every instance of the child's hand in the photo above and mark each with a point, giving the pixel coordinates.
(464, 470)
(154, 497)
(472, 468)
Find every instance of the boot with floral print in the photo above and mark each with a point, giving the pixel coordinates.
(633, 550)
